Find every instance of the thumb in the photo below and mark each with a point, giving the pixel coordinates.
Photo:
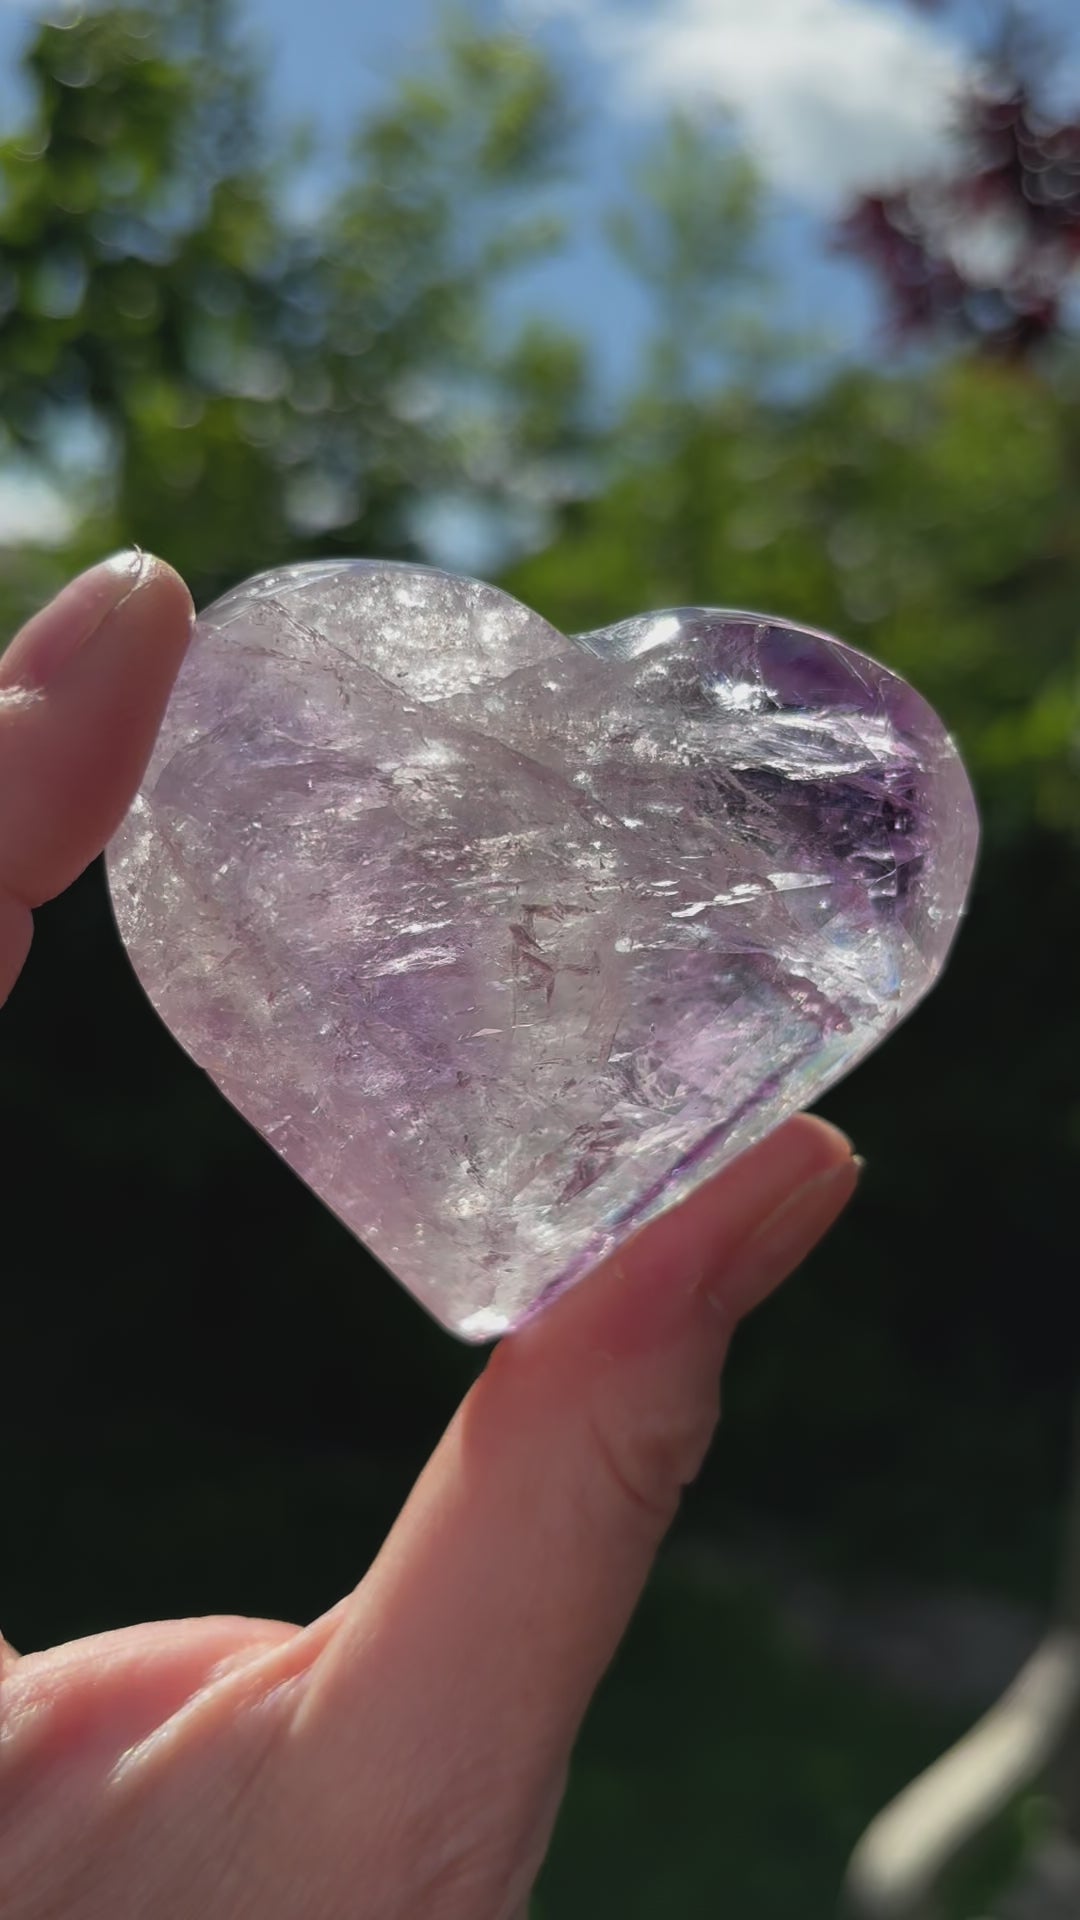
(500, 1597)
(82, 690)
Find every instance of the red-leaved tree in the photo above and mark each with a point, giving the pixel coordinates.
(985, 249)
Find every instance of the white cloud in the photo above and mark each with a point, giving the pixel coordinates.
(831, 95)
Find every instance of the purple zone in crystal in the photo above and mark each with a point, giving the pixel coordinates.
(507, 941)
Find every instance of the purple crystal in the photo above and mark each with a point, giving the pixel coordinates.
(506, 941)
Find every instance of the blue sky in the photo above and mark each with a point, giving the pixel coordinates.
(333, 59)
(829, 96)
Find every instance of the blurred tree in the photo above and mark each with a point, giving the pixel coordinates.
(986, 253)
(239, 379)
(691, 234)
(880, 508)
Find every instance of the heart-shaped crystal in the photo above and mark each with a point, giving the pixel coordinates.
(506, 941)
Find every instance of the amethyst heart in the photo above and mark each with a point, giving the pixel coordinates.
(506, 941)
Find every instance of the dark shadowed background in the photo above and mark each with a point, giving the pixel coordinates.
(527, 304)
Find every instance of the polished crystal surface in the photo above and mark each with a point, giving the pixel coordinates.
(505, 941)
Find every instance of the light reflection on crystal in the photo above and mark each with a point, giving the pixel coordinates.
(506, 941)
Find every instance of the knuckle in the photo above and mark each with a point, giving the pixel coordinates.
(647, 1459)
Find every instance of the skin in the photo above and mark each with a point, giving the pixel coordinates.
(405, 1754)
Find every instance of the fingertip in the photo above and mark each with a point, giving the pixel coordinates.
(86, 683)
(171, 593)
(648, 1291)
(818, 1136)
(142, 643)
(145, 632)
(91, 606)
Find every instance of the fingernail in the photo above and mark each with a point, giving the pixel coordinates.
(50, 640)
(784, 1239)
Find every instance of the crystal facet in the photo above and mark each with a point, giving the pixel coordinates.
(506, 941)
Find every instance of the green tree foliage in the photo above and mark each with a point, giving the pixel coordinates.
(692, 235)
(252, 381)
(930, 518)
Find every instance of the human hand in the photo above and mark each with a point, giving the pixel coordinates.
(404, 1755)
